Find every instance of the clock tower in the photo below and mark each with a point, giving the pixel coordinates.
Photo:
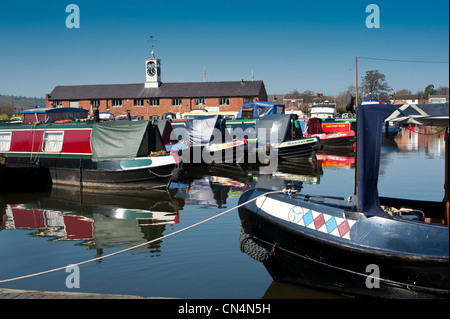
(152, 72)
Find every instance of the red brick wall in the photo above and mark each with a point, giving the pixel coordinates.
(165, 106)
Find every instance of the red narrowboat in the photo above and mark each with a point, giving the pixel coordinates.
(62, 146)
(330, 136)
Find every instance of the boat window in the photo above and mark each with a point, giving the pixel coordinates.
(53, 141)
(5, 141)
(280, 109)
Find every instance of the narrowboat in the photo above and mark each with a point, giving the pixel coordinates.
(331, 135)
(323, 110)
(365, 245)
(205, 140)
(275, 134)
(61, 146)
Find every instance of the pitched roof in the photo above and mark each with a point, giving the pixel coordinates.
(165, 90)
(406, 97)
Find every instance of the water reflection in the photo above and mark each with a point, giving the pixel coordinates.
(94, 219)
(99, 220)
(427, 139)
(279, 290)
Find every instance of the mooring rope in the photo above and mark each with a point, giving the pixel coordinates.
(143, 244)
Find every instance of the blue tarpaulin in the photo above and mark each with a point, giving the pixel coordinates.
(260, 109)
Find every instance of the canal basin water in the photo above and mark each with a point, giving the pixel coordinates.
(62, 226)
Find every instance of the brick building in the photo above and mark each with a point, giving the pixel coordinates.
(155, 97)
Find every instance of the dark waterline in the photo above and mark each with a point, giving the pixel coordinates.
(61, 226)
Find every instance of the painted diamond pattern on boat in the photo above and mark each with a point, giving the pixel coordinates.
(325, 223)
(331, 224)
(305, 217)
(344, 228)
(308, 218)
(319, 221)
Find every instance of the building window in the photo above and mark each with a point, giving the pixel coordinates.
(138, 102)
(5, 141)
(200, 101)
(153, 102)
(117, 103)
(224, 101)
(57, 103)
(95, 103)
(53, 141)
(74, 104)
(248, 100)
(176, 102)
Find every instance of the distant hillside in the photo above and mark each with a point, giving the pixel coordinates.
(21, 102)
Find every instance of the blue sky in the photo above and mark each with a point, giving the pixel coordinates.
(301, 45)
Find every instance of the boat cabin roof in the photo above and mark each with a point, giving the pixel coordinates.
(205, 129)
(278, 128)
(51, 115)
(55, 110)
(257, 109)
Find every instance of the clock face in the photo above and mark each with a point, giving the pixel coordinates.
(151, 71)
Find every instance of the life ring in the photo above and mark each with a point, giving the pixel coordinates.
(63, 121)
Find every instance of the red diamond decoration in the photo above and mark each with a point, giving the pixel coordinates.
(319, 221)
(343, 228)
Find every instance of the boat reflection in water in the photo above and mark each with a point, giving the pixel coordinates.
(104, 221)
(97, 219)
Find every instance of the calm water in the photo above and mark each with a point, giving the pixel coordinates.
(46, 230)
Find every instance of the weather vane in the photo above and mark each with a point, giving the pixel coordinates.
(152, 37)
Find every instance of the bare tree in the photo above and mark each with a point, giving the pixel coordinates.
(374, 84)
(442, 90)
(403, 92)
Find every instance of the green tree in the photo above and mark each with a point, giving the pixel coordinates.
(429, 90)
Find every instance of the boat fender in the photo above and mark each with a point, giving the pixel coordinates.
(251, 248)
(177, 174)
(318, 146)
(63, 121)
(349, 103)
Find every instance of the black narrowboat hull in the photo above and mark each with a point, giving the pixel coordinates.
(86, 173)
(296, 150)
(341, 142)
(310, 257)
